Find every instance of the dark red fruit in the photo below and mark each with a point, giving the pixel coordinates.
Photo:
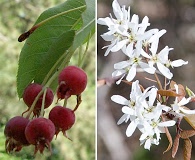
(40, 132)
(63, 118)
(30, 94)
(72, 81)
(15, 133)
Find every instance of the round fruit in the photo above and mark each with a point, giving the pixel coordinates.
(30, 94)
(63, 118)
(72, 81)
(40, 132)
(15, 133)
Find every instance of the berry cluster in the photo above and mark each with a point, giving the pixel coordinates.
(39, 131)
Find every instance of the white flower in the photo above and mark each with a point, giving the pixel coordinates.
(143, 113)
(152, 129)
(124, 32)
(129, 67)
(117, 28)
(148, 140)
(129, 108)
(161, 59)
(177, 107)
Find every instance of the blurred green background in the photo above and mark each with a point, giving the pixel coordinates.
(16, 17)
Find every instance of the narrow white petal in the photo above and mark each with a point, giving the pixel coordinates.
(164, 70)
(143, 25)
(167, 123)
(108, 38)
(147, 144)
(118, 73)
(119, 99)
(146, 55)
(154, 46)
(119, 81)
(125, 117)
(131, 128)
(178, 63)
(186, 111)
(143, 136)
(163, 55)
(154, 40)
(147, 68)
(147, 35)
(184, 101)
(128, 110)
(121, 65)
(117, 9)
(135, 19)
(158, 34)
(109, 48)
(129, 50)
(152, 96)
(132, 73)
(119, 45)
(105, 21)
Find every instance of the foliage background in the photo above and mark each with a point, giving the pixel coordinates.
(178, 18)
(17, 16)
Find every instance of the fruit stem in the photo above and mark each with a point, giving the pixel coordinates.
(41, 92)
(65, 102)
(43, 103)
(81, 60)
(54, 66)
(34, 102)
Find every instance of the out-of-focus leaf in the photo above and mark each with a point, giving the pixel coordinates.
(190, 118)
(187, 148)
(187, 134)
(167, 93)
(181, 90)
(175, 145)
(169, 139)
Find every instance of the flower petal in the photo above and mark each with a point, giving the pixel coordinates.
(131, 128)
(164, 70)
(118, 73)
(128, 110)
(125, 117)
(167, 123)
(117, 10)
(186, 111)
(147, 68)
(178, 63)
(121, 65)
(119, 45)
(132, 73)
(119, 99)
(147, 144)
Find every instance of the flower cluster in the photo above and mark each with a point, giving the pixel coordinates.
(147, 109)
(140, 46)
(145, 113)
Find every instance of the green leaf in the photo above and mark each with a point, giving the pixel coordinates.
(51, 24)
(52, 60)
(88, 27)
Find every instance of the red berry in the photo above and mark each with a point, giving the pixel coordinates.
(40, 132)
(72, 81)
(30, 94)
(63, 118)
(15, 133)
